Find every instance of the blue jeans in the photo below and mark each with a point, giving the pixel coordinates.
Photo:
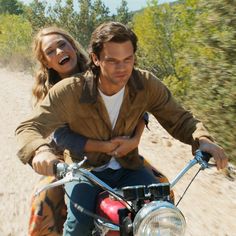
(85, 193)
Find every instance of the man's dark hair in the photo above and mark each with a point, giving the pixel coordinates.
(109, 32)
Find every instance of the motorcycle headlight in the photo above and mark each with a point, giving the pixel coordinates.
(159, 218)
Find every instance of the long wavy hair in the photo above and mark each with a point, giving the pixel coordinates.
(45, 78)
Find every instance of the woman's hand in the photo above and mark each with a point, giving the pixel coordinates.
(43, 161)
(107, 146)
(124, 146)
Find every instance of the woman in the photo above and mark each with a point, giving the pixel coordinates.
(59, 57)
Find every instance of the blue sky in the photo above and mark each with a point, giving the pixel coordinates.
(133, 5)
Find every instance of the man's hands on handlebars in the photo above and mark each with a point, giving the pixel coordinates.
(215, 150)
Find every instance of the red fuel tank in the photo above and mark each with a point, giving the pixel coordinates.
(108, 207)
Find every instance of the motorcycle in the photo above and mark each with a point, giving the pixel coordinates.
(133, 210)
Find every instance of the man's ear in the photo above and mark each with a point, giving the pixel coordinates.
(95, 59)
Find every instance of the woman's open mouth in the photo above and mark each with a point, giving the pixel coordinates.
(64, 60)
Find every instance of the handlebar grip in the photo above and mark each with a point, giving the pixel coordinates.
(55, 167)
(206, 156)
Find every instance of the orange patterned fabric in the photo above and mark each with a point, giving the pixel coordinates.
(48, 211)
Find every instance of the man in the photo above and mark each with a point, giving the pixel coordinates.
(107, 101)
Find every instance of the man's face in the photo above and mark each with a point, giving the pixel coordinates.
(116, 64)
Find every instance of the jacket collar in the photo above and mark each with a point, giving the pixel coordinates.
(90, 92)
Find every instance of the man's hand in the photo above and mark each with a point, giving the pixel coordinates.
(216, 151)
(43, 162)
(125, 145)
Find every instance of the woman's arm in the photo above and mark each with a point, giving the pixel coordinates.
(140, 127)
(65, 138)
(127, 144)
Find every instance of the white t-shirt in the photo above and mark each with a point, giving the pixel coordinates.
(113, 104)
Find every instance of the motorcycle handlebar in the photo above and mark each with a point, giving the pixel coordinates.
(55, 167)
(202, 158)
(59, 169)
(206, 156)
(67, 173)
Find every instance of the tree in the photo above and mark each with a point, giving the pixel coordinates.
(63, 14)
(90, 16)
(14, 41)
(123, 14)
(99, 13)
(154, 39)
(80, 23)
(11, 7)
(164, 32)
(35, 13)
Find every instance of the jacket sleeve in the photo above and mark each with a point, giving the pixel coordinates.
(45, 119)
(65, 138)
(179, 122)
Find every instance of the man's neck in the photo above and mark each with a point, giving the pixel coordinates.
(109, 89)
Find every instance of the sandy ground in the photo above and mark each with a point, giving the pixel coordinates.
(209, 206)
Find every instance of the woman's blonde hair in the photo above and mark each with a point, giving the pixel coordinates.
(46, 78)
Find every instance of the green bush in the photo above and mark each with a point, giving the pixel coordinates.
(213, 85)
(15, 42)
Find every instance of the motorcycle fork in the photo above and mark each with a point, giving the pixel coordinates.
(125, 222)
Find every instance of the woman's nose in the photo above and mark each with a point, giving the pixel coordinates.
(58, 51)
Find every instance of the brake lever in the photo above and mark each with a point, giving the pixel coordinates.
(68, 178)
(210, 165)
(59, 169)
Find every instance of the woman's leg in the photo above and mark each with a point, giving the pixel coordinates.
(48, 210)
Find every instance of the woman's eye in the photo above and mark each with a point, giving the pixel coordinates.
(49, 52)
(62, 44)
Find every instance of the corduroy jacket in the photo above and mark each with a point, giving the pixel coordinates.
(75, 101)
